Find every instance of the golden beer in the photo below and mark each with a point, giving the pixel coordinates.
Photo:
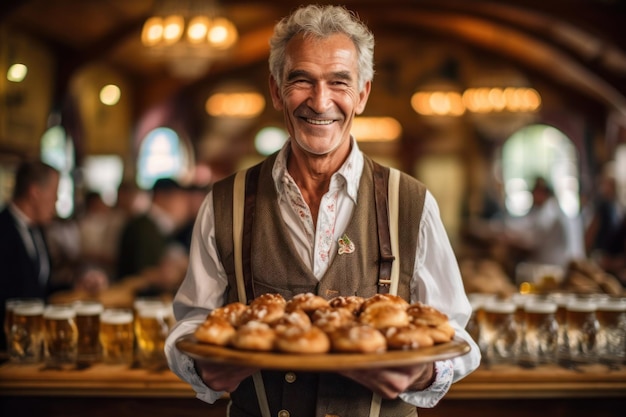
(151, 329)
(540, 333)
(611, 340)
(582, 329)
(88, 324)
(60, 335)
(498, 331)
(26, 335)
(116, 336)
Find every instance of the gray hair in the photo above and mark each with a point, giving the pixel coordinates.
(322, 22)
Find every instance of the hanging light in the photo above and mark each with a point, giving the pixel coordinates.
(189, 35)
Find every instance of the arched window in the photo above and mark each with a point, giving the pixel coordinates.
(540, 151)
(57, 150)
(161, 155)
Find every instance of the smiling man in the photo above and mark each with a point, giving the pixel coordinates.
(312, 223)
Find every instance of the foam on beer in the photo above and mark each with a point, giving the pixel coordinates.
(116, 317)
(29, 309)
(540, 307)
(57, 313)
(88, 309)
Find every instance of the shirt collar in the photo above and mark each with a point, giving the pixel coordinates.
(349, 173)
(19, 215)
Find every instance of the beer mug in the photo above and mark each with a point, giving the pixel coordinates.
(60, 336)
(26, 335)
(582, 329)
(88, 324)
(151, 329)
(116, 336)
(539, 342)
(498, 331)
(9, 306)
(611, 340)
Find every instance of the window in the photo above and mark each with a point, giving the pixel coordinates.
(161, 155)
(540, 151)
(57, 150)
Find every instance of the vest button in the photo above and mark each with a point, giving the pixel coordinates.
(290, 377)
(283, 413)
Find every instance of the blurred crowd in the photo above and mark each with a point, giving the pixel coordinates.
(145, 234)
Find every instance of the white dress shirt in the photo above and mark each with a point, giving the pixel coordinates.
(436, 278)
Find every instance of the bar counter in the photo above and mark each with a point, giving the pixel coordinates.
(105, 390)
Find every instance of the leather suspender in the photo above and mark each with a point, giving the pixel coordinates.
(381, 180)
(252, 182)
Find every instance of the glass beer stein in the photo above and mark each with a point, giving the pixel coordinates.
(117, 336)
(88, 324)
(26, 336)
(60, 336)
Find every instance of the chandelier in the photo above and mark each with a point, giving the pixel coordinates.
(189, 35)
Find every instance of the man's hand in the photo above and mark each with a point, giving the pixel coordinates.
(391, 382)
(223, 377)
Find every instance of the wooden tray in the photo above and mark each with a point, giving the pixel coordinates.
(319, 362)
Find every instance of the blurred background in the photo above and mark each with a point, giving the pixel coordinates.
(475, 98)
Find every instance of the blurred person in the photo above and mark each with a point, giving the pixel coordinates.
(546, 234)
(25, 262)
(313, 194)
(147, 238)
(197, 194)
(606, 216)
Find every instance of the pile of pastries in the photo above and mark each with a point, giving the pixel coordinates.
(310, 324)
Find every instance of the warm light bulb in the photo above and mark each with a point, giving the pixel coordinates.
(110, 94)
(173, 29)
(198, 29)
(223, 34)
(152, 31)
(17, 73)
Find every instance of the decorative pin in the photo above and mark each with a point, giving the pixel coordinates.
(345, 245)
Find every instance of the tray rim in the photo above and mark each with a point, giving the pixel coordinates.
(208, 353)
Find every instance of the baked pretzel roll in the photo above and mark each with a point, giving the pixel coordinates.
(265, 312)
(231, 312)
(358, 338)
(408, 337)
(215, 330)
(420, 313)
(295, 339)
(350, 302)
(254, 335)
(269, 298)
(308, 302)
(384, 298)
(296, 318)
(383, 314)
(330, 319)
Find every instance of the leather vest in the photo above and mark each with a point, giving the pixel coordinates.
(274, 266)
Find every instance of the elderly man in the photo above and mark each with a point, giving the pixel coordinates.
(314, 228)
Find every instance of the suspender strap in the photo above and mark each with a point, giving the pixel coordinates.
(381, 179)
(241, 237)
(252, 182)
(392, 236)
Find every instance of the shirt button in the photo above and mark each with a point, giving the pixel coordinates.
(290, 377)
(283, 413)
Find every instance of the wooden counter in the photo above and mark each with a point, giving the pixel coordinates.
(117, 390)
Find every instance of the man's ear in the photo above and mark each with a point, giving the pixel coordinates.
(363, 96)
(277, 100)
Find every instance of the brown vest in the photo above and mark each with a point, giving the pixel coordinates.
(276, 267)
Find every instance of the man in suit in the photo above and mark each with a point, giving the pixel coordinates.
(24, 259)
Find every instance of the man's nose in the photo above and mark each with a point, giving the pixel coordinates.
(320, 98)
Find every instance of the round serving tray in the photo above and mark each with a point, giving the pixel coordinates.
(319, 362)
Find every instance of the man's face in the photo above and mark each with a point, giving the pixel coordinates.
(319, 94)
(45, 198)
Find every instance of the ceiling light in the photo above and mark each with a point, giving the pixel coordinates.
(189, 35)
